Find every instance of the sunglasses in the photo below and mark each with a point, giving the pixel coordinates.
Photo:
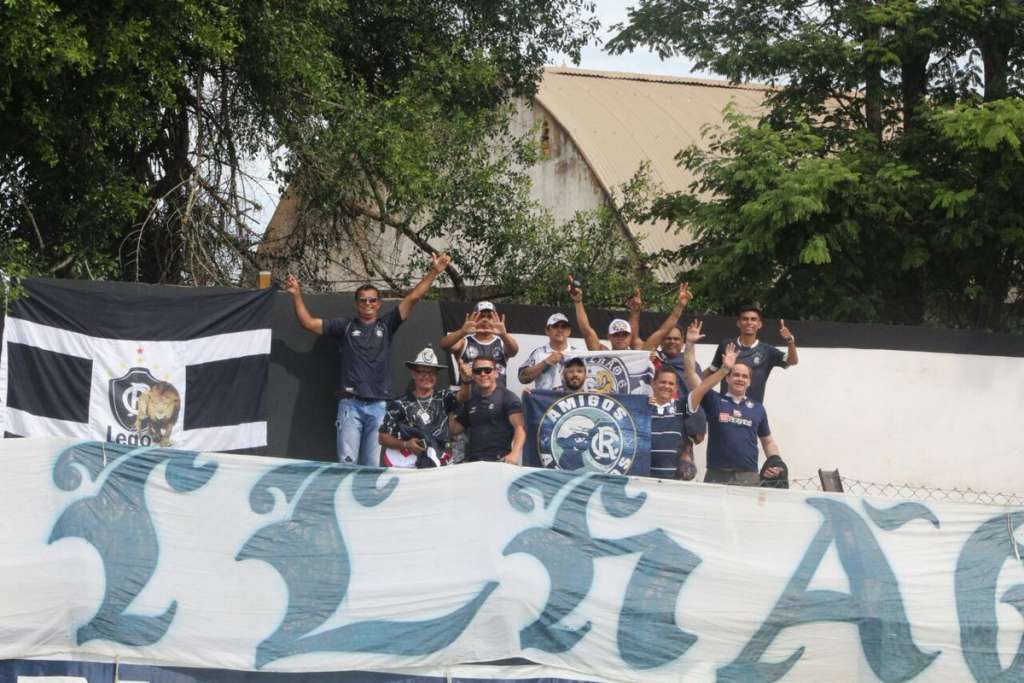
(368, 299)
(483, 371)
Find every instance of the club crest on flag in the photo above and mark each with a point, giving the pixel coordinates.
(588, 431)
(607, 374)
(145, 405)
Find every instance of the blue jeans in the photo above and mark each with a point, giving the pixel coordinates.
(358, 424)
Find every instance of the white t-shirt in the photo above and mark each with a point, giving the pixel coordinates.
(551, 378)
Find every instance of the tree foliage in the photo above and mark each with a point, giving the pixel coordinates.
(125, 127)
(880, 185)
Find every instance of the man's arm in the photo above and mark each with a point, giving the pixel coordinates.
(693, 335)
(511, 345)
(532, 371)
(590, 337)
(685, 296)
(697, 394)
(412, 445)
(787, 336)
(515, 454)
(452, 342)
(314, 325)
(465, 381)
(440, 262)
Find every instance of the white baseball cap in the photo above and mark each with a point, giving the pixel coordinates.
(618, 326)
(485, 306)
(556, 318)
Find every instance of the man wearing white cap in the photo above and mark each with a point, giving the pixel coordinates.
(416, 425)
(482, 335)
(544, 366)
(621, 333)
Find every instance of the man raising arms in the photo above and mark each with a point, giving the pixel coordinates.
(482, 335)
(760, 358)
(735, 422)
(365, 346)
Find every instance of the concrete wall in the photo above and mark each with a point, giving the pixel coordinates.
(562, 179)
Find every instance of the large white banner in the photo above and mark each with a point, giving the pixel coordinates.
(167, 557)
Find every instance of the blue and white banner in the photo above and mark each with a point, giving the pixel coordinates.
(593, 431)
(177, 558)
(617, 372)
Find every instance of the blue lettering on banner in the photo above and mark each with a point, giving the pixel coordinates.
(308, 550)
(567, 550)
(874, 602)
(977, 571)
(118, 524)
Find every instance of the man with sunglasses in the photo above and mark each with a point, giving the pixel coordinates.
(544, 366)
(416, 427)
(493, 416)
(365, 346)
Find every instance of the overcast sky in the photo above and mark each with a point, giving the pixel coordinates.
(610, 12)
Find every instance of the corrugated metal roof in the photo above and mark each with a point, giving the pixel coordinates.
(619, 120)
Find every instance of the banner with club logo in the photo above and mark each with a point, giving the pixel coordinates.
(150, 556)
(137, 367)
(617, 372)
(592, 431)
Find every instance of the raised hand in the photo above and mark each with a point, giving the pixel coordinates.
(635, 303)
(693, 332)
(498, 326)
(440, 261)
(465, 370)
(575, 293)
(685, 295)
(469, 327)
(291, 284)
(784, 331)
(729, 356)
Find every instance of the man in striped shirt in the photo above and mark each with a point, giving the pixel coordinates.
(671, 448)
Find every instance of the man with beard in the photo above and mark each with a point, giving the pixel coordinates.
(735, 422)
(416, 427)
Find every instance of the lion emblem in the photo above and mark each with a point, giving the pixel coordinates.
(157, 412)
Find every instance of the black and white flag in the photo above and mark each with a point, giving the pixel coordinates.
(137, 365)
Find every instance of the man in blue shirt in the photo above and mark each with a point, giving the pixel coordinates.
(671, 446)
(735, 422)
(760, 358)
(365, 346)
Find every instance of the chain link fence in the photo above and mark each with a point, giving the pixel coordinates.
(909, 491)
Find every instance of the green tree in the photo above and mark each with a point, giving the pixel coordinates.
(879, 184)
(125, 127)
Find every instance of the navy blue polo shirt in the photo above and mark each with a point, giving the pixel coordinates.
(760, 358)
(666, 435)
(486, 419)
(733, 431)
(365, 354)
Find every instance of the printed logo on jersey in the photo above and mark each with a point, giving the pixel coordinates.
(590, 431)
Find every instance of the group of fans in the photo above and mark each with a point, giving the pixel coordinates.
(484, 419)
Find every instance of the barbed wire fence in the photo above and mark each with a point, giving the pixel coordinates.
(910, 491)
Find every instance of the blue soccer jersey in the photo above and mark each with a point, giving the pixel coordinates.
(733, 431)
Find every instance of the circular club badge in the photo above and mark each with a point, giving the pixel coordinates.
(588, 431)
